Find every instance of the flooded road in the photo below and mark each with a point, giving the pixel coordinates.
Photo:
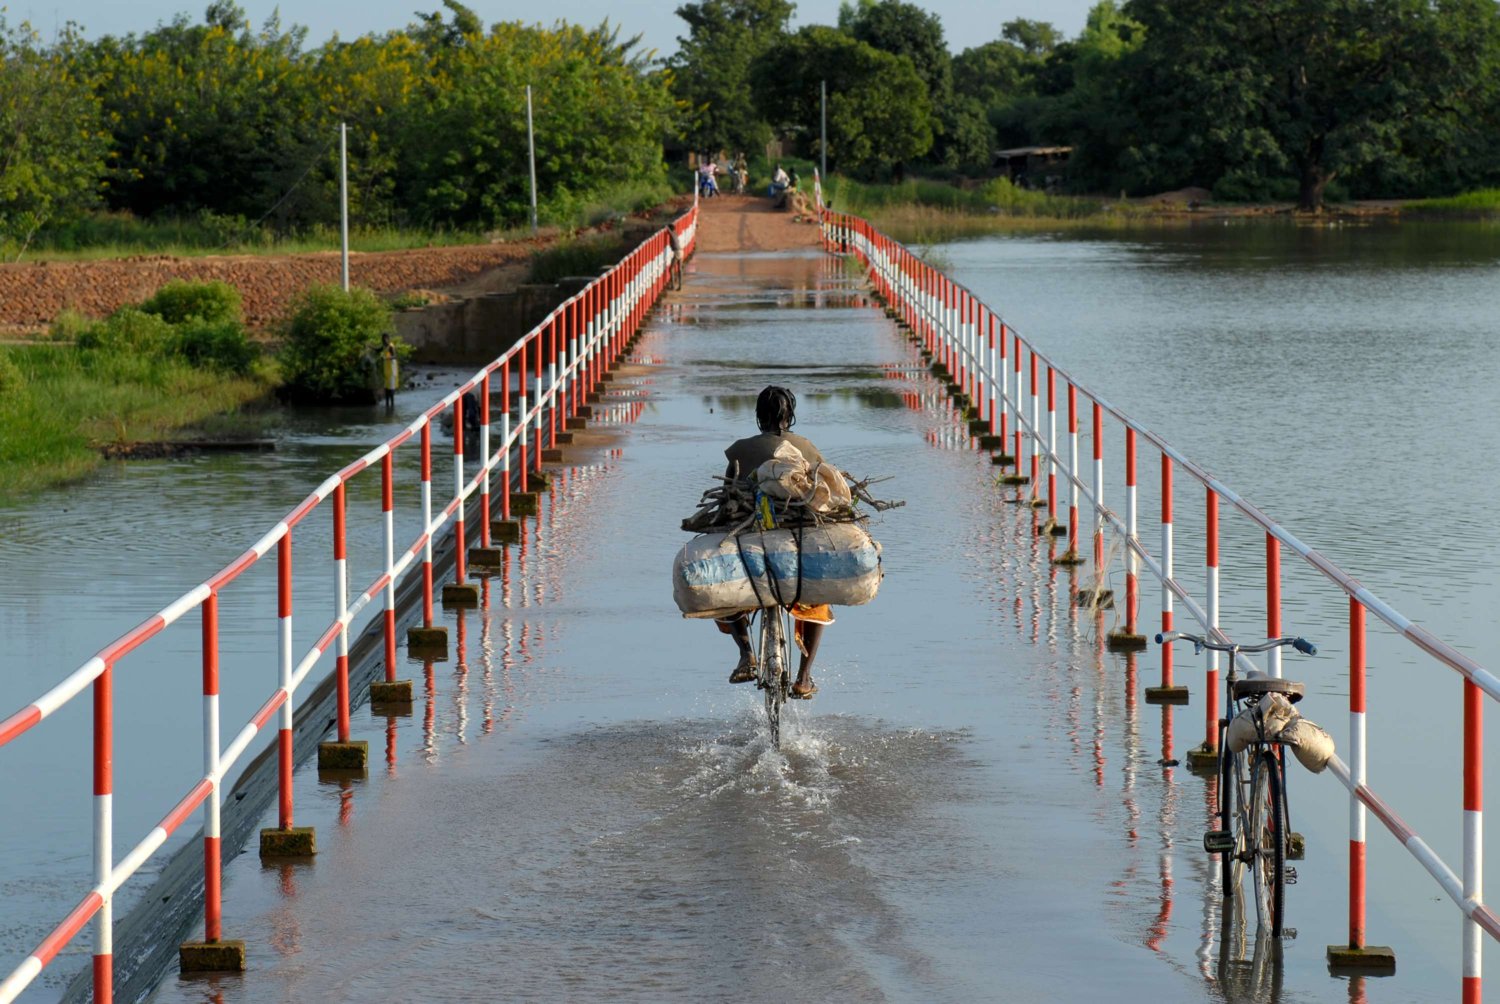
(973, 808)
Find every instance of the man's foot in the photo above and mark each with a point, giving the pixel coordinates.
(804, 690)
(744, 672)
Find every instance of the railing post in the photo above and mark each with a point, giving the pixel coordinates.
(486, 460)
(1052, 525)
(429, 636)
(212, 954)
(505, 485)
(1273, 603)
(1358, 957)
(524, 478)
(1473, 887)
(1071, 555)
(1036, 436)
(1099, 569)
(389, 690)
(1168, 692)
(1130, 639)
(343, 754)
(104, 857)
(285, 840)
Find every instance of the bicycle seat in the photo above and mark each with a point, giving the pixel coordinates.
(1256, 683)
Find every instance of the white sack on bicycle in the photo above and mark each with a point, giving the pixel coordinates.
(788, 475)
(1312, 744)
(1274, 710)
(715, 575)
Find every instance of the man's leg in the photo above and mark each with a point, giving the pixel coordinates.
(738, 627)
(812, 634)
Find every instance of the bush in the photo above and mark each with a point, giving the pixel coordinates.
(331, 338)
(220, 345)
(180, 300)
(69, 326)
(128, 330)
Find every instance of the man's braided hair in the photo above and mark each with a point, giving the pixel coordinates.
(776, 410)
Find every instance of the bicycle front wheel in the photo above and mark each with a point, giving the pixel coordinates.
(774, 669)
(1268, 812)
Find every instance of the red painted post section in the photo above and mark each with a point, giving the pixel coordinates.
(1073, 449)
(992, 391)
(1473, 885)
(388, 512)
(484, 494)
(1356, 719)
(1166, 522)
(1132, 581)
(460, 549)
(1052, 443)
(536, 454)
(213, 872)
(427, 560)
(284, 736)
(521, 423)
(1020, 409)
(104, 786)
(341, 664)
(1273, 600)
(1211, 677)
(1098, 483)
(505, 466)
(1004, 409)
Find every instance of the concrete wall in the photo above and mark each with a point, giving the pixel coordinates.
(476, 329)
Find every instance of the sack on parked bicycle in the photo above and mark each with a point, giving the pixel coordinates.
(714, 574)
(1274, 710)
(1310, 742)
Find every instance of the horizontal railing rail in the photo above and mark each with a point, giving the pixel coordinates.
(544, 380)
(1006, 379)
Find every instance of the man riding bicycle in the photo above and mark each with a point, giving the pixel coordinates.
(775, 414)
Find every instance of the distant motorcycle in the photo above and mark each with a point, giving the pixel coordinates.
(707, 186)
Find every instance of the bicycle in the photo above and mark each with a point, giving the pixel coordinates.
(1256, 833)
(773, 664)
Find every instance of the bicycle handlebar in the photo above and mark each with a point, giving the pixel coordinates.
(1200, 643)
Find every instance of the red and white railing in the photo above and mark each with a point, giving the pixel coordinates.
(970, 340)
(549, 372)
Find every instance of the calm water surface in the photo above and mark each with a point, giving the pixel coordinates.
(972, 808)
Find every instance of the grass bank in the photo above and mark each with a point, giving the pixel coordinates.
(1481, 203)
(59, 406)
(120, 235)
(923, 211)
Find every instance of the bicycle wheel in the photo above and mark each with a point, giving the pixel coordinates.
(1269, 829)
(1228, 882)
(774, 672)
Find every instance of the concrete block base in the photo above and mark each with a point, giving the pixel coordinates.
(978, 427)
(524, 503)
(1014, 479)
(1102, 599)
(390, 692)
(1069, 558)
(1057, 529)
(461, 594)
(1002, 459)
(1203, 760)
(1167, 695)
(576, 423)
(297, 842)
(1367, 960)
(1124, 641)
(536, 481)
(592, 397)
(1046, 528)
(956, 389)
(505, 531)
(1037, 502)
(989, 441)
(343, 756)
(435, 637)
(486, 557)
(564, 439)
(586, 413)
(211, 957)
(552, 456)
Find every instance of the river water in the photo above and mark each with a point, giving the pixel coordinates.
(972, 807)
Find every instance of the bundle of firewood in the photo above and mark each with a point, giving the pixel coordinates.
(729, 507)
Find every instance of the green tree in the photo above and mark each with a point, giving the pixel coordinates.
(1310, 89)
(711, 71)
(52, 142)
(879, 116)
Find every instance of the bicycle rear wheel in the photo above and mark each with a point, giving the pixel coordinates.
(1228, 878)
(1269, 830)
(774, 670)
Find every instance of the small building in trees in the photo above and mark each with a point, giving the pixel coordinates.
(1038, 167)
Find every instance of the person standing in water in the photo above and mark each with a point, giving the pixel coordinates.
(390, 371)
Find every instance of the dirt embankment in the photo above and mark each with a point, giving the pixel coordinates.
(33, 294)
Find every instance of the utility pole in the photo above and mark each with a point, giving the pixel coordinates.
(531, 147)
(344, 202)
(823, 143)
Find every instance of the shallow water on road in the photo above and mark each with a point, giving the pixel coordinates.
(580, 807)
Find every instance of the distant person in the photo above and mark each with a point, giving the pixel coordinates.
(793, 182)
(707, 186)
(779, 182)
(675, 243)
(390, 371)
(741, 173)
